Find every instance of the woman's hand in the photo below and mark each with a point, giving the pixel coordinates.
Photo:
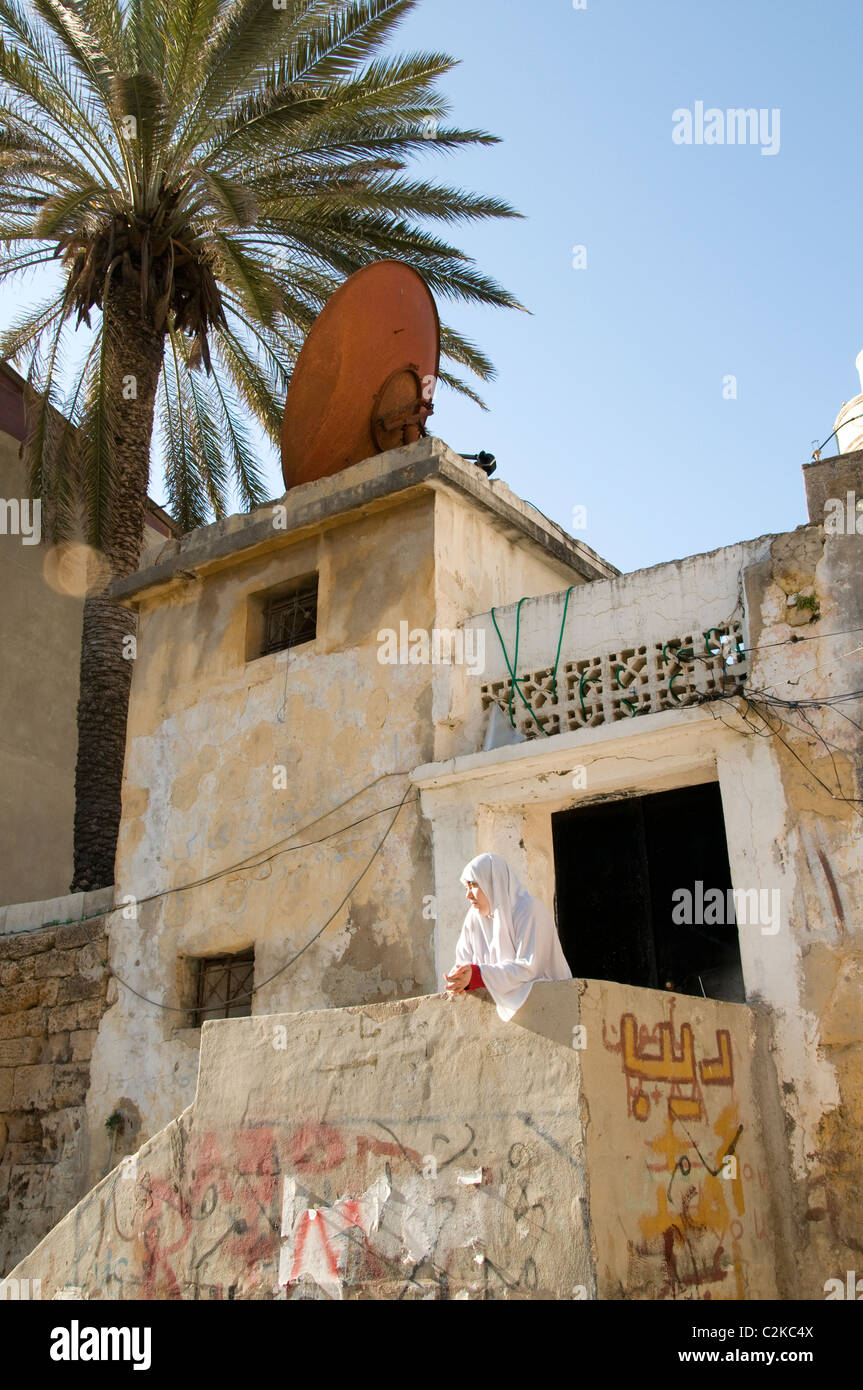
(458, 979)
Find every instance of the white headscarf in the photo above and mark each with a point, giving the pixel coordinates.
(514, 946)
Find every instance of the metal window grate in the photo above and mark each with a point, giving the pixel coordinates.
(290, 620)
(225, 986)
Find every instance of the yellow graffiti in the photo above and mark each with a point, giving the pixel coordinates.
(668, 1066)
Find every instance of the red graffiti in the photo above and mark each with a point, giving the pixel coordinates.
(382, 1148)
(316, 1148)
(156, 1262)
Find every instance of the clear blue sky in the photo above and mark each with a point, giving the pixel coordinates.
(702, 261)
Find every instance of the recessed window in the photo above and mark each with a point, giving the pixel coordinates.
(291, 619)
(224, 987)
(282, 617)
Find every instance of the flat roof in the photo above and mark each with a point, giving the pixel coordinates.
(373, 485)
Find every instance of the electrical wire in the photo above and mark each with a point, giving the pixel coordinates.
(259, 858)
(852, 801)
(262, 857)
(244, 998)
(814, 637)
(770, 732)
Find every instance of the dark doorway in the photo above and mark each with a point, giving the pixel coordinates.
(619, 868)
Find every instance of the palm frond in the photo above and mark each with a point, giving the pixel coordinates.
(246, 471)
(252, 383)
(460, 349)
(331, 50)
(247, 276)
(29, 327)
(188, 27)
(318, 39)
(462, 388)
(60, 210)
(186, 496)
(140, 95)
(203, 429)
(53, 101)
(42, 411)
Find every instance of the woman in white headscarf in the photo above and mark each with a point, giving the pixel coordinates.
(508, 940)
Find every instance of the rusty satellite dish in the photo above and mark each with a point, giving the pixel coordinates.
(365, 377)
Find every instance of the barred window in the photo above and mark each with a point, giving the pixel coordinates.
(225, 986)
(291, 619)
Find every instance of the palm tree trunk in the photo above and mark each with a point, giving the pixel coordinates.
(133, 360)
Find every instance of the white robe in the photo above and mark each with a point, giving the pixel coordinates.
(516, 944)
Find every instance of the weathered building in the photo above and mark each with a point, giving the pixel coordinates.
(676, 766)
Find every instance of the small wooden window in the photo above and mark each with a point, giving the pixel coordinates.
(291, 619)
(224, 987)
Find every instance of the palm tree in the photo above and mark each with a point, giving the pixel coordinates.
(206, 173)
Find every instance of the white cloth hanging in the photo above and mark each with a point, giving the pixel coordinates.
(516, 944)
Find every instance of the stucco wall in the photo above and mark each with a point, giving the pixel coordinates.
(478, 566)
(208, 729)
(639, 614)
(40, 654)
(818, 755)
(790, 793)
(40, 647)
(424, 1149)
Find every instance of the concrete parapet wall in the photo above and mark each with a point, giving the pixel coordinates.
(424, 1149)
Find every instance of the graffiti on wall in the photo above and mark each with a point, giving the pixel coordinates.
(691, 1218)
(281, 1210)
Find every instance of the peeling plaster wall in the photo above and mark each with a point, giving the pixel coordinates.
(818, 1039)
(206, 730)
(785, 832)
(424, 1149)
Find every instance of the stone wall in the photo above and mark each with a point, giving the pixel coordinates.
(53, 984)
(834, 478)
